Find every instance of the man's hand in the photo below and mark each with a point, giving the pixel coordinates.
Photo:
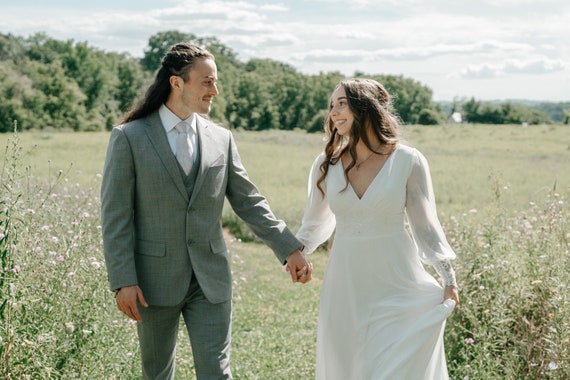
(298, 267)
(127, 299)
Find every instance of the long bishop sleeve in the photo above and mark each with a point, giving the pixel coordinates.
(318, 220)
(427, 232)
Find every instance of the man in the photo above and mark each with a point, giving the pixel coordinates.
(167, 172)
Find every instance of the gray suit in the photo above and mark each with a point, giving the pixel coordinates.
(160, 233)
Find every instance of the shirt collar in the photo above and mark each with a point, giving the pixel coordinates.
(170, 120)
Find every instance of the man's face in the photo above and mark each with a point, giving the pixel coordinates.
(197, 93)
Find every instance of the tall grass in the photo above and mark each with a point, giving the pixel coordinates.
(55, 319)
(505, 214)
(514, 321)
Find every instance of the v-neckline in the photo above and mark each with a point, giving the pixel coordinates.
(373, 179)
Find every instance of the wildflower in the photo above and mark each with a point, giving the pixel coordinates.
(552, 366)
(70, 326)
(16, 269)
(96, 264)
(60, 258)
(473, 211)
(45, 228)
(2, 236)
(86, 214)
(30, 211)
(469, 340)
(527, 225)
(54, 239)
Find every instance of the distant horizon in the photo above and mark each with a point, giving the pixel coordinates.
(514, 100)
(492, 50)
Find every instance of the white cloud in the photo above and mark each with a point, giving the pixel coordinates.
(415, 38)
(414, 53)
(274, 7)
(509, 67)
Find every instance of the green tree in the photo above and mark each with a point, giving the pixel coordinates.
(130, 79)
(409, 96)
(429, 117)
(158, 44)
(471, 110)
(63, 102)
(17, 97)
(11, 47)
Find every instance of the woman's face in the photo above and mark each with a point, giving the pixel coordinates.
(340, 113)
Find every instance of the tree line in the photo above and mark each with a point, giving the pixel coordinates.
(52, 84)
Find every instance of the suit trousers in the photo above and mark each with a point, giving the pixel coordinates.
(209, 329)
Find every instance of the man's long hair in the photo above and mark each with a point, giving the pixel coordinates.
(178, 60)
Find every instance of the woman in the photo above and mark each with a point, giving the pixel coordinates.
(382, 315)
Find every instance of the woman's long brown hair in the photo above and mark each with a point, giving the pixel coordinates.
(370, 103)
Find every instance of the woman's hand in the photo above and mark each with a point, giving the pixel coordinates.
(451, 292)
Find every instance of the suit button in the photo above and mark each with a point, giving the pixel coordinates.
(191, 209)
(190, 242)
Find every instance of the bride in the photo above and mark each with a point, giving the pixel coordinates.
(382, 315)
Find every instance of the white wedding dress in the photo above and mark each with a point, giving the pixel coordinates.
(381, 314)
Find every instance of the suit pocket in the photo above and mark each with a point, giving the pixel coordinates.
(150, 248)
(218, 246)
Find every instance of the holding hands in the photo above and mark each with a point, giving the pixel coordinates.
(298, 267)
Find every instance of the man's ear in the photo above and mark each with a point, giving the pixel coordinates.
(175, 81)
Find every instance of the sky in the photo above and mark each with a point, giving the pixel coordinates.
(486, 49)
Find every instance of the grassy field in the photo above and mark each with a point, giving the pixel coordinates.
(502, 194)
(468, 162)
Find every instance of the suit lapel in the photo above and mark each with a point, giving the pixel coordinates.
(156, 134)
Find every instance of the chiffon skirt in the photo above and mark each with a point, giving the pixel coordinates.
(381, 313)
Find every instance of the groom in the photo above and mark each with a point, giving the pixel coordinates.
(167, 172)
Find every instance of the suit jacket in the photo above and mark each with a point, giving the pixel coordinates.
(155, 235)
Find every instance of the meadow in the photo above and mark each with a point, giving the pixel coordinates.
(503, 198)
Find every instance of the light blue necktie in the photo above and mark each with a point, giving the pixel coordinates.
(183, 146)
